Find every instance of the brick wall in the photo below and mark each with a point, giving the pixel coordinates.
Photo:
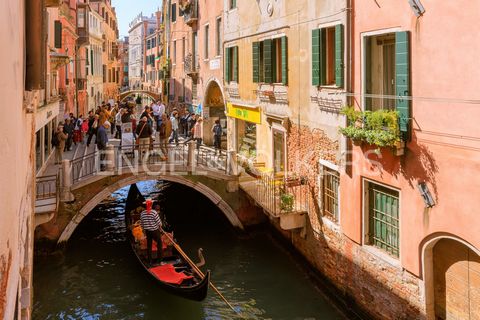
(384, 290)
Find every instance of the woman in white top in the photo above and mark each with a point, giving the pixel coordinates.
(198, 132)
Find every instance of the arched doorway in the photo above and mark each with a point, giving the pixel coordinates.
(214, 109)
(452, 276)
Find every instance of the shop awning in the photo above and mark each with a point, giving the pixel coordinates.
(246, 113)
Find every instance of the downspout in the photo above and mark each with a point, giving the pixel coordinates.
(347, 158)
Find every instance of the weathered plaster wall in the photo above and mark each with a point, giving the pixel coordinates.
(17, 159)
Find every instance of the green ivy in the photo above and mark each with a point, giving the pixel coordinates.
(379, 127)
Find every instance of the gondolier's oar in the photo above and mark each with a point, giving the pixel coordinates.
(196, 269)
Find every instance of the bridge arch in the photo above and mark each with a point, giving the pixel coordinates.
(93, 202)
(125, 95)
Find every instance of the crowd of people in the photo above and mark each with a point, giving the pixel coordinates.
(155, 122)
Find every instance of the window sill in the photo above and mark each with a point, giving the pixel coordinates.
(232, 9)
(335, 87)
(385, 257)
(206, 60)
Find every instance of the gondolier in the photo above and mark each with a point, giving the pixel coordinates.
(151, 224)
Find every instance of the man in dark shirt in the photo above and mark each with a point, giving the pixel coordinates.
(151, 224)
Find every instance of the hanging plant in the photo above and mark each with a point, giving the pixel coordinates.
(379, 128)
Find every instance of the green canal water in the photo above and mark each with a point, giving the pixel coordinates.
(99, 278)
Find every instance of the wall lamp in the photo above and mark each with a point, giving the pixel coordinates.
(417, 7)
(426, 195)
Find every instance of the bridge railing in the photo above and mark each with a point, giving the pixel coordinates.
(47, 187)
(154, 158)
(84, 166)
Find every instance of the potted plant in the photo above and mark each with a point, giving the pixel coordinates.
(286, 202)
(185, 6)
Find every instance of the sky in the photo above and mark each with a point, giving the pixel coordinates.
(127, 10)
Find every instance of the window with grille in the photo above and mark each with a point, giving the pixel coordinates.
(330, 187)
(383, 218)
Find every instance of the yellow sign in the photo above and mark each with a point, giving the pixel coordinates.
(248, 114)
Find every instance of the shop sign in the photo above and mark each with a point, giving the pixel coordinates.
(248, 114)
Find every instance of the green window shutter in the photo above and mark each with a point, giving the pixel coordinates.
(92, 62)
(234, 4)
(316, 57)
(227, 65)
(274, 61)
(402, 78)
(284, 60)
(235, 64)
(58, 34)
(323, 56)
(339, 49)
(267, 60)
(256, 61)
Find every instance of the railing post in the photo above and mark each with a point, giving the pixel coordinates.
(232, 165)
(191, 163)
(110, 158)
(66, 183)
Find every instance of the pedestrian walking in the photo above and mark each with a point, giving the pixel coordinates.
(164, 133)
(144, 134)
(174, 121)
(102, 141)
(68, 129)
(77, 131)
(217, 136)
(93, 129)
(58, 141)
(84, 129)
(118, 124)
(198, 132)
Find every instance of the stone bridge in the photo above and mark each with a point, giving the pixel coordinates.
(88, 180)
(126, 94)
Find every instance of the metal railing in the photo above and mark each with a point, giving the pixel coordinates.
(152, 154)
(279, 195)
(84, 166)
(209, 158)
(47, 187)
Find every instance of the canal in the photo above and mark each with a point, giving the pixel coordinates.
(99, 278)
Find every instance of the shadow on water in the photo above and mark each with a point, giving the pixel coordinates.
(99, 278)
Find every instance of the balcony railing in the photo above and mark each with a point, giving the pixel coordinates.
(280, 196)
(190, 13)
(191, 65)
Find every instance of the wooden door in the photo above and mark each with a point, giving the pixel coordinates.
(456, 281)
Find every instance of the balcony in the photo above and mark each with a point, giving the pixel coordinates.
(190, 12)
(191, 66)
(282, 198)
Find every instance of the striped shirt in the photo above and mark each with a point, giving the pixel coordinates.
(150, 221)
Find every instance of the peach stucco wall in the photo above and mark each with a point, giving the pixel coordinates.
(445, 146)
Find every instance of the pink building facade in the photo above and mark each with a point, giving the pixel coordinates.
(420, 255)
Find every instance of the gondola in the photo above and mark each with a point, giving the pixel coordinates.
(174, 274)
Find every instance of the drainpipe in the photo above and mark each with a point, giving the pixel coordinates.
(349, 81)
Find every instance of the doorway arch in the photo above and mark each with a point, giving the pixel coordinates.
(451, 271)
(214, 108)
